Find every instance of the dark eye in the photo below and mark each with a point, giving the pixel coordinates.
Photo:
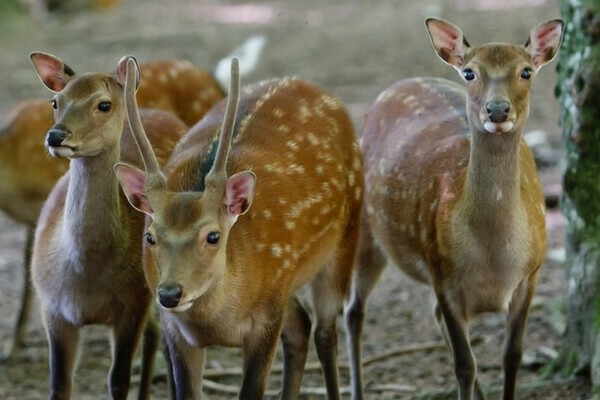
(104, 106)
(213, 238)
(468, 74)
(526, 73)
(54, 104)
(150, 238)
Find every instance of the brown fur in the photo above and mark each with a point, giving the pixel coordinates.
(171, 85)
(452, 204)
(301, 228)
(86, 263)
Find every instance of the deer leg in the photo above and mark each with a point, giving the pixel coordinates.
(517, 322)
(25, 306)
(259, 352)
(150, 346)
(169, 366)
(187, 366)
(465, 366)
(295, 335)
(126, 333)
(478, 392)
(63, 342)
(370, 264)
(329, 289)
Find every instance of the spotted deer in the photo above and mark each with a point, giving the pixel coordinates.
(24, 186)
(28, 175)
(243, 215)
(87, 253)
(452, 194)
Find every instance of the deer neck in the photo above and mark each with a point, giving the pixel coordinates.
(490, 199)
(92, 207)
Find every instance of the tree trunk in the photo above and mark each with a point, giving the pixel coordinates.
(578, 91)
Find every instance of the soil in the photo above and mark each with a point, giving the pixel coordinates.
(356, 48)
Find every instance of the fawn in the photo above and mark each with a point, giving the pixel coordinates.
(172, 85)
(225, 273)
(452, 194)
(86, 263)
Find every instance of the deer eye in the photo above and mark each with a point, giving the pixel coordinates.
(526, 73)
(150, 239)
(213, 238)
(468, 74)
(54, 104)
(104, 106)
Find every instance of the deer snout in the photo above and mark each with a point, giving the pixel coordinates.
(55, 137)
(497, 110)
(169, 294)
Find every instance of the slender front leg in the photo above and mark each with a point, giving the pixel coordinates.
(150, 346)
(169, 365)
(295, 335)
(63, 341)
(187, 365)
(513, 346)
(127, 333)
(465, 366)
(370, 264)
(259, 351)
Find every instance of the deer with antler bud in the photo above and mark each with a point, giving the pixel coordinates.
(244, 215)
(87, 253)
(452, 194)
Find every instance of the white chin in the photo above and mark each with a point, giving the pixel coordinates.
(64, 152)
(493, 127)
(180, 308)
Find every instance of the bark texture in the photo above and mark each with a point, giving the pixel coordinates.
(578, 91)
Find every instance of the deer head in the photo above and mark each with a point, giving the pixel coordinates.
(88, 108)
(498, 92)
(188, 233)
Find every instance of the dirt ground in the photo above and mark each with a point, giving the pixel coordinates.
(356, 48)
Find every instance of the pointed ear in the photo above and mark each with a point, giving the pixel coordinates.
(122, 71)
(132, 181)
(448, 41)
(52, 71)
(239, 192)
(544, 41)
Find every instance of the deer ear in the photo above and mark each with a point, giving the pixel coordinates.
(53, 72)
(239, 193)
(448, 41)
(544, 41)
(132, 181)
(122, 71)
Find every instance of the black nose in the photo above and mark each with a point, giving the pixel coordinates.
(55, 137)
(169, 294)
(498, 110)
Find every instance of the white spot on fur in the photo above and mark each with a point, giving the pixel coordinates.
(276, 250)
(289, 225)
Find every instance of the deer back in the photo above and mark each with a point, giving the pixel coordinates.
(28, 173)
(180, 87)
(308, 181)
(417, 145)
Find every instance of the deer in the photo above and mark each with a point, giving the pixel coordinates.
(174, 85)
(24, 186)
(452, 195)
(260, 198)
(86, 261)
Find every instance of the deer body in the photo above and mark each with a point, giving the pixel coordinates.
(172, 85)
(86, 263)
(452, 195)
(294, 158)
